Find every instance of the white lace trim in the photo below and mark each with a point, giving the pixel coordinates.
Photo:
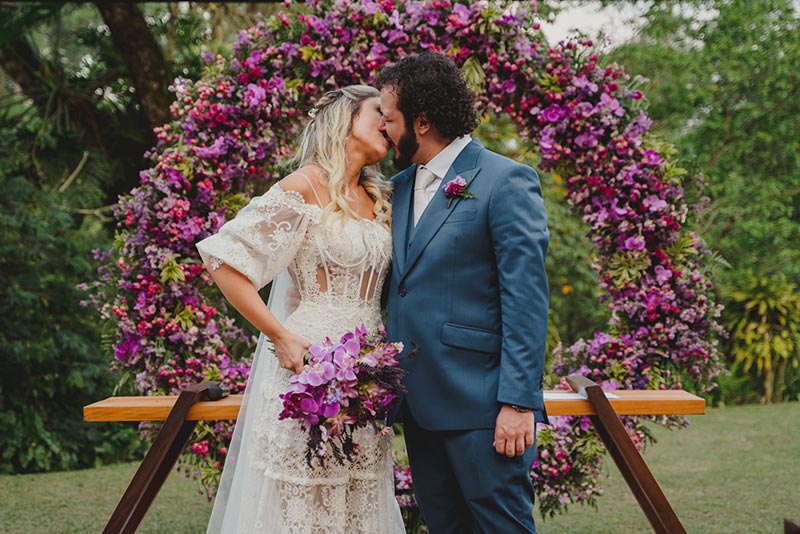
(338, 269)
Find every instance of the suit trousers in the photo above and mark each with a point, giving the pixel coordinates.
(463, 486)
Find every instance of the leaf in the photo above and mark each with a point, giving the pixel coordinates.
(625, 267)
(681, 249)
(185, 318)
(171, 272)
(474, 74)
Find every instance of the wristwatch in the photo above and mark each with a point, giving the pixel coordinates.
(520, 409)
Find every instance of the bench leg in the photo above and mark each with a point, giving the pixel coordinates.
(630, 463)
(157, 464)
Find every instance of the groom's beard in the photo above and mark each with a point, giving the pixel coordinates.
(405, 149)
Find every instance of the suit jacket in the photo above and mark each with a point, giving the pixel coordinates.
(468, 287)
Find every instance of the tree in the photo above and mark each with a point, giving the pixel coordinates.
(143, 58)
(724, 87)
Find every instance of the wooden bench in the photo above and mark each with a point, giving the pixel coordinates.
(181, 413)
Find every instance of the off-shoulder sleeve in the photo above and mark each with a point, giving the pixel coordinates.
(262, 239)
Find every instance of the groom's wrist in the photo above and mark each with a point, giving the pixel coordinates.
(519, 409)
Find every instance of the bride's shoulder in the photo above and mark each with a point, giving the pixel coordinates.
(305, 182)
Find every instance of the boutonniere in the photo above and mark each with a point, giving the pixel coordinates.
(457, 187)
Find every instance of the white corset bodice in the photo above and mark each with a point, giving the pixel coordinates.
(338, 267)
(340, 264)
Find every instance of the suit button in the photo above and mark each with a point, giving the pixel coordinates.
(402, 291)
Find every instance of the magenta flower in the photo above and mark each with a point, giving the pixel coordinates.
(344, 386)
(662, 274)
(586, 140)
(651, 157)
(317, 374)
(254, 96)
(553, 113)
(455, 187)
(655, 203)
(635, 242)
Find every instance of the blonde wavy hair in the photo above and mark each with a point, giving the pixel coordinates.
(324, 143)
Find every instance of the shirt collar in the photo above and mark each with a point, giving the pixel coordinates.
(442, 161)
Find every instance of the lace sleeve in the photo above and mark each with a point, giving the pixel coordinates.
(262, 239)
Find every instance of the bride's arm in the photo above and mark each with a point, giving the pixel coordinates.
(251, 250)
(242, 294)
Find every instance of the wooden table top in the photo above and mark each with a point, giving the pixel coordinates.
(629, 402)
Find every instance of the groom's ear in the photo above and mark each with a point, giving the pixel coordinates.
(421, 124)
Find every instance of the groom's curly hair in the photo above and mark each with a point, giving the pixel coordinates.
(432, 84)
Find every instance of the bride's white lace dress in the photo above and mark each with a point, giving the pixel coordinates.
(338, 268)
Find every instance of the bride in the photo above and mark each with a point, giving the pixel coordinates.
(327, 224)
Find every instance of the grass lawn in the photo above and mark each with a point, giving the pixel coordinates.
(734, 470)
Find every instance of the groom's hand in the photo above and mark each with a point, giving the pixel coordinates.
(513, 432)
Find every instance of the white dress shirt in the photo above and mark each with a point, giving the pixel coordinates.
(439, 165)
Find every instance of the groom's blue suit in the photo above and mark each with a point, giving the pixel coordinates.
(468, 287)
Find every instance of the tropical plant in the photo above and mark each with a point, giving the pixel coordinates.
(51, 364)
(764, 321)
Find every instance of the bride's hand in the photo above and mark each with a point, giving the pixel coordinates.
(290, 349)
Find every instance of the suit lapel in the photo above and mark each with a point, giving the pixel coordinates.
(401, 209)
(437, 211)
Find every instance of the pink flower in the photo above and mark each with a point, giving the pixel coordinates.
(455, 187)
(554, 113)
(651, 157)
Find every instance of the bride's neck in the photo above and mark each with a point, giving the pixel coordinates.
(352, 175)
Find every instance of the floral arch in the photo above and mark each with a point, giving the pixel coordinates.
(231, 129)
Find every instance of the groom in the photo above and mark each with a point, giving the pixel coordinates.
(468, 286)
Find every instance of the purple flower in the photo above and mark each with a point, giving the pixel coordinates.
(635, 242)
(586, 140)
(318, 373)
(508, 86)
(370, 7)
(662, 274)
(378, 51)
(583, 83)
(651, 157)
(612, 104)
(455, 187)
(654, 203)
(254, 96)
(461, 14)
(553, 113)
(219, 148)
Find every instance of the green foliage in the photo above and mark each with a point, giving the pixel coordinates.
(626, 267)
(724, 88)
(764, 319)
(50, 362)
(68, 147)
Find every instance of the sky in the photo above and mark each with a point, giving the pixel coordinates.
(590, 18)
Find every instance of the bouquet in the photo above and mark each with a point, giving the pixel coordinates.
(344, 386)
